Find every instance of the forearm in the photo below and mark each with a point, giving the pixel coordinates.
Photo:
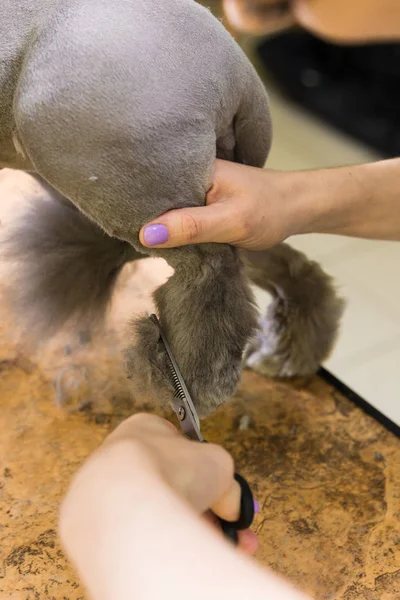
(360, 201)
(141, 540)
(170, 551)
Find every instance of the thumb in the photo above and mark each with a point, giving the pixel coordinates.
(217, 222)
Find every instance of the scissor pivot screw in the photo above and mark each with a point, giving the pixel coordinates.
(181, 413)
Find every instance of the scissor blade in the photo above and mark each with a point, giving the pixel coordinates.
(188, 425)
(182, 402)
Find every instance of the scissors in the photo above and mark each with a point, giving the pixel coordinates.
(184, 409)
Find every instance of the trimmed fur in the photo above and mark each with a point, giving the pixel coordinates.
(208, 314)
(125, 120)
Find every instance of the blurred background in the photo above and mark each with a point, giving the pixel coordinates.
(331, 106)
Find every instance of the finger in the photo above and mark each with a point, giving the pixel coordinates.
(208, 472)
(228, 505)
(219, 222)
(248, 541)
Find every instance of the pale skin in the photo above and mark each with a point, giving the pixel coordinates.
(338, 20)
(257, 209)
(133, 521)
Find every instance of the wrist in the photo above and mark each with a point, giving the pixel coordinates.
(282, 206)
(327, 200)
(303, 202)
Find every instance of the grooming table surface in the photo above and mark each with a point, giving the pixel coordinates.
(327, 476)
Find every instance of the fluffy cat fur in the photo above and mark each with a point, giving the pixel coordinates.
(123, 117)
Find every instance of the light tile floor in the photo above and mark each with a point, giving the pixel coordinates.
(367, 355)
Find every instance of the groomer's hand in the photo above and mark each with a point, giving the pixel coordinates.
(246, 207)
(131, 521)
(147, 460)
(257, 208)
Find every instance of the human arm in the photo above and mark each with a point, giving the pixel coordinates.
(256, 209)
(131, 521)
(338, 20)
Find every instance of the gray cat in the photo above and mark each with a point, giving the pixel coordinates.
(121, 107)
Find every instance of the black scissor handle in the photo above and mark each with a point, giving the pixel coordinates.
(246, 516)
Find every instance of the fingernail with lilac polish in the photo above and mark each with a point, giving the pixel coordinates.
(155, 235)
(256, 506)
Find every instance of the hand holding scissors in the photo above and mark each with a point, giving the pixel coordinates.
(185, 410)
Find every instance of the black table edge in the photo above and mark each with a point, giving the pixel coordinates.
(360, 402)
